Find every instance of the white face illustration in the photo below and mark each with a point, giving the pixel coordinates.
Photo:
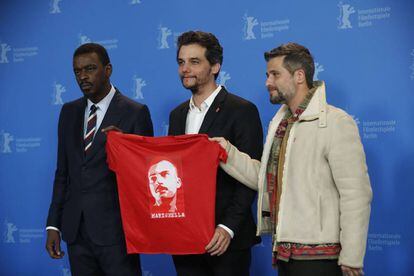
(163, 181)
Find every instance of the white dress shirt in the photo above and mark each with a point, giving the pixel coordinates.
(101, 109)
(195, 115)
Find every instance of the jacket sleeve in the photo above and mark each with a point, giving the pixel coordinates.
(247, 137)
(346, 158)
(241, 167)
(171, 122)
(143, 123)
(61, 177)
(174, 123)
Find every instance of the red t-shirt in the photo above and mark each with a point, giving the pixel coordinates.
(166, 189)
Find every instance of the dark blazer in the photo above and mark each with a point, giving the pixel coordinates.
(85, 185)
(237, 120)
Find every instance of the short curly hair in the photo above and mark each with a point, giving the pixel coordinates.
(296, 57)
(214, 51)
(88, 48)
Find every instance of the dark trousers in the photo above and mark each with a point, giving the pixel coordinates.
(231, 263)
(309, 268)
(89, 259)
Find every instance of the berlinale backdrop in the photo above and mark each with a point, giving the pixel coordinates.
(364, 50)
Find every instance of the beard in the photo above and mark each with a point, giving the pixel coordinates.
(278, 98)
(194, 81)
(190, 84)
(281, 97)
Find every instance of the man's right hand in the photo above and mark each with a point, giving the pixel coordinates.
(53, 244)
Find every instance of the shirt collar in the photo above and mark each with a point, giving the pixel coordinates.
(207, 102)
(104, 103)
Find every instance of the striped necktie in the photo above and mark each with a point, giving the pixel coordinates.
(91, 128)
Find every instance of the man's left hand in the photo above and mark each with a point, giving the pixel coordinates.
(351, 271)
(220, 140)
(111, 128)
(219, 243)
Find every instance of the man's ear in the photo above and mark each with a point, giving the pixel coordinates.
(299, 76)
(108, 70)
(178, 182)
(215, 68)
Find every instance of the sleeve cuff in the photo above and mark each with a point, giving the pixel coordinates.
(231, 233)
(52, 228)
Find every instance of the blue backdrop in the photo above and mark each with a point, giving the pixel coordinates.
(364, 51)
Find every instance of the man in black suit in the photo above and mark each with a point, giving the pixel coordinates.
(214, 111)
(85, 205)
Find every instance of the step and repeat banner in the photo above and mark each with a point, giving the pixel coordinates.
(364, 50)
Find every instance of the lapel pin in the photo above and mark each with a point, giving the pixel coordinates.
(218, 109)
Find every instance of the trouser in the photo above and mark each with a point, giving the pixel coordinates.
(231, 263)
(309, 268)
(89, 259)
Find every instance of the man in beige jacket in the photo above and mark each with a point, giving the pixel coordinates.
(314, 192)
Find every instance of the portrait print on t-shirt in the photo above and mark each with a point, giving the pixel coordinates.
(166, 188)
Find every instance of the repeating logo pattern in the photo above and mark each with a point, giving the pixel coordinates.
(13, 234)
(345, 11)
(375, 129)
(54, 7)
(5, 48)
(107, 43)
(18, 54)
(138, 84)
(365, 17)
(249, 23)
(83, 39)
(163, 35)
(379, 241)
(268, 29)
(223, 78)
(9, 144)
(318, 69)
(5, 142)
(58, 90)
(9, 232)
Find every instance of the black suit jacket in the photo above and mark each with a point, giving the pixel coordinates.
(85, 185)
(237, 120)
